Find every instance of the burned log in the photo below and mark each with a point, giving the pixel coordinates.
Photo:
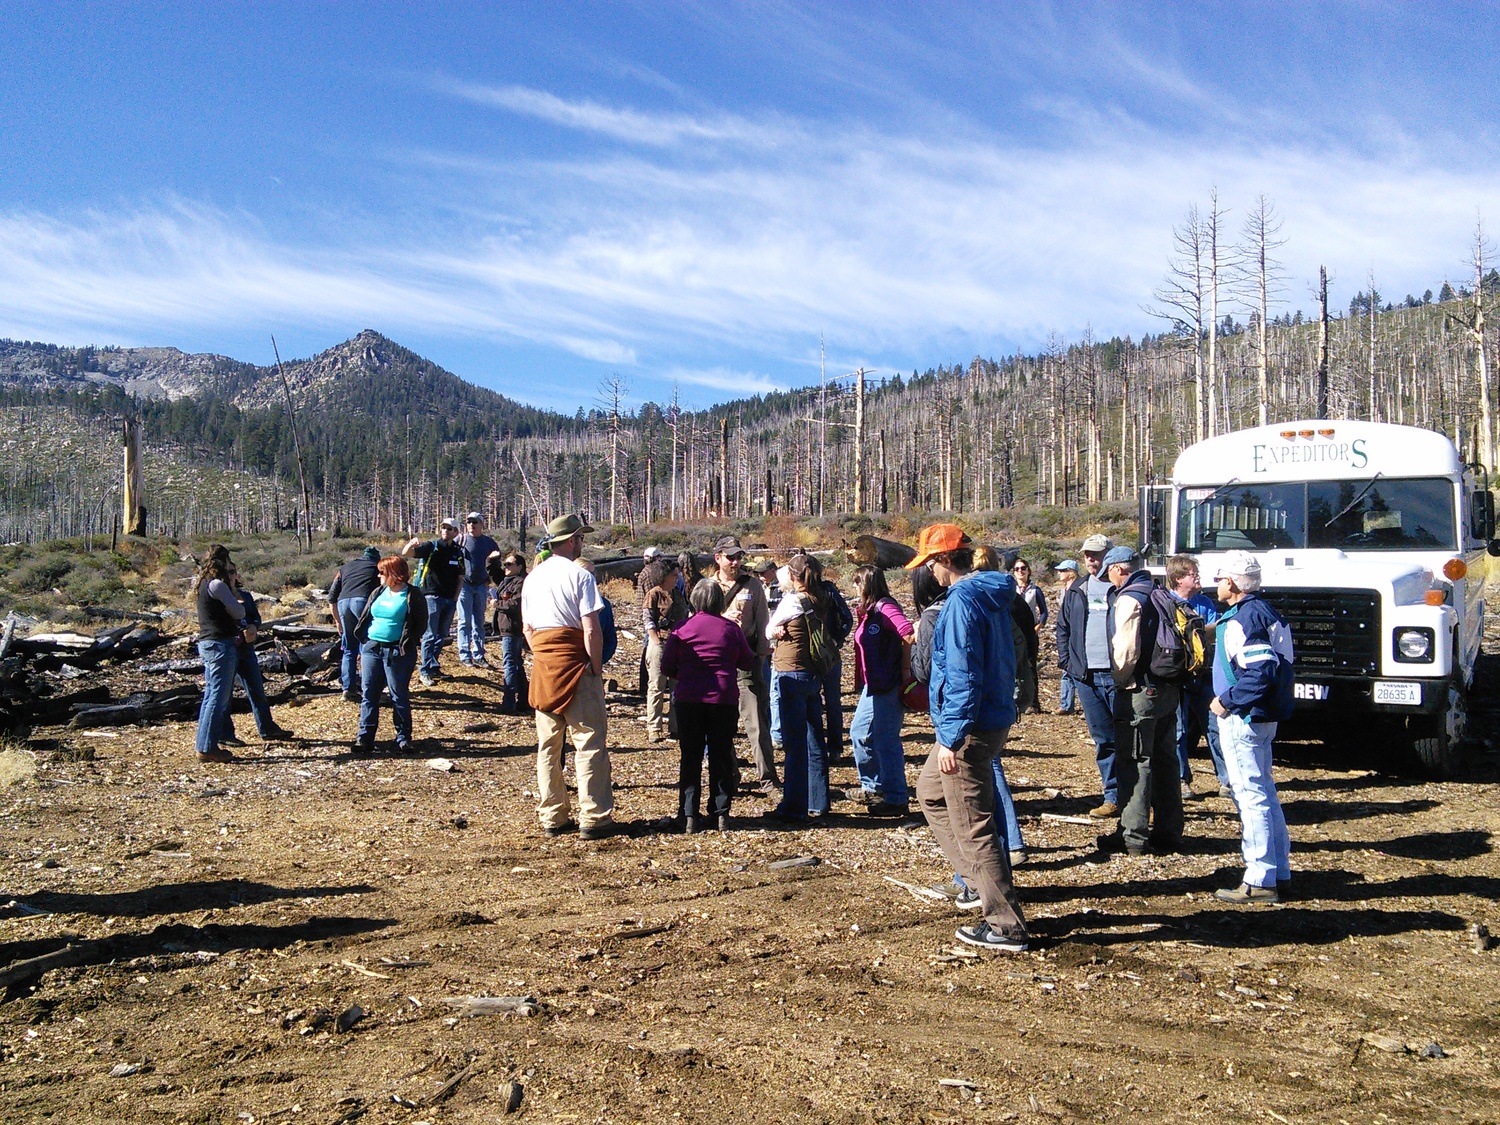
(630, 567)
(141, 707)
(887, 554)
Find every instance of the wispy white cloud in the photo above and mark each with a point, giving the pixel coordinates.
(723, 379)
(634, 126)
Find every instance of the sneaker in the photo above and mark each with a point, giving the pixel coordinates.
(862, 796)
(1018, 857)
(1105, 811)
(776, 816)
(217, 754)
(561, 829)
(362, 749)
(231, 740)
(1187, 792)
(949, 891)
(986, 938)
(602, 830)
(481, 662)
(1246, 895)
(426, 679)
(1226, 792)
(723, 822)
(278, 734)
(968, 899)
(888, 810)
(351, 697)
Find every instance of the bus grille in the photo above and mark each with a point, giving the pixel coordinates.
(1335, 632)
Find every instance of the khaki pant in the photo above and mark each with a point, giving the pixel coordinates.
(658, 694)
(755, 717)
(960, 810)
(583, 726)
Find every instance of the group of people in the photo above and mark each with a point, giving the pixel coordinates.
(760, 652)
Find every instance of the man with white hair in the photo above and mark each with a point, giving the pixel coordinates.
(1252, 693)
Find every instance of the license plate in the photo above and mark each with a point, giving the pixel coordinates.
(1407, 695)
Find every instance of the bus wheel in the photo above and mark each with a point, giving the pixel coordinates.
(1435, 739)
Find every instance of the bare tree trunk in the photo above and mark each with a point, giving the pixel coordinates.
(134, 498)
(1322, 389)
(291, 415)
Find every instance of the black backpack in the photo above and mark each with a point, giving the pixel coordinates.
(1181, 647)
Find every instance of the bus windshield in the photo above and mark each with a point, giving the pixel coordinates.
(1349, 515)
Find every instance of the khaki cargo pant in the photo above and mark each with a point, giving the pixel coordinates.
(583, 726)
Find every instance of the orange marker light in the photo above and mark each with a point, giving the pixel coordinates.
(1325, 433)
(1307, 433)
(1454, 569)
(1434, 597)
(1288, 433)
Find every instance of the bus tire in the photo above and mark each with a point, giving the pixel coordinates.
(1435, 739)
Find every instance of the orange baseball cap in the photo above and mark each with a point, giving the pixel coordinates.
(936, 539)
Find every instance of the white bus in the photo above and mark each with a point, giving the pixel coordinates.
(1374, 542)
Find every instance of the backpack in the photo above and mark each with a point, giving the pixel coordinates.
(840, 621)
(1181, 647)
(821, 650)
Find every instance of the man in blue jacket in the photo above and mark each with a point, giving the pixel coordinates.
(972, 703)
(1252, 693)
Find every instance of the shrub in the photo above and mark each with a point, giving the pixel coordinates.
(43, 573)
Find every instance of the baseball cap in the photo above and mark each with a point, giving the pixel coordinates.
(936, 539)
(651, 553)
(1067, 564)
(1117, 555)
(728, 545)
(765, 565)
(1098, 543)
(474, 517)
(1241, 566)
(450, 523)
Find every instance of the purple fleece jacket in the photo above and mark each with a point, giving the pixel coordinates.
(704, 654)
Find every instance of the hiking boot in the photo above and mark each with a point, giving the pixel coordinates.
(968, 899)
(888, 809)
(1018, 857)
(723, 822)
(561, 829)
(690, 826)
(862, 796)
(351, 697)
(1105, 811)
(1187, 792)
(986, 938)
(278, 734)
(361, 749)
(603, 830)
(1246, 895)
(231, 740)
(217, 754)
(426, 679)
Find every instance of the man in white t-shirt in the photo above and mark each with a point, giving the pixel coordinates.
(560, 607)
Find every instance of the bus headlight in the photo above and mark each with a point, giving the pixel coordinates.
(1413, 645)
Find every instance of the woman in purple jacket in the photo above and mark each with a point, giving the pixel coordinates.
(882, 658)
(705, 655)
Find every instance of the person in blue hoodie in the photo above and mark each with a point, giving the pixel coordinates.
(1253, 681)
(972, 704)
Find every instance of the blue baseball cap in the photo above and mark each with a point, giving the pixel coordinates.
(1117, 555)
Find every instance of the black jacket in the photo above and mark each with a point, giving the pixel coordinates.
(357, 578)
(1072, 629)
(411, 631)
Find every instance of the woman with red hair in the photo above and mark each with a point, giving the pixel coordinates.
(390, 637)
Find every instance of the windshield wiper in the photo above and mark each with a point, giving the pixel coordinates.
(1358, 497)
(1214, 495)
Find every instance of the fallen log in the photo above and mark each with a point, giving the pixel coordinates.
(630, 568)
(887, 554)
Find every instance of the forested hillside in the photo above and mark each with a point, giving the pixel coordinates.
(393, 442)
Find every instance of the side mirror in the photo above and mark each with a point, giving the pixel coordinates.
(1494, 548)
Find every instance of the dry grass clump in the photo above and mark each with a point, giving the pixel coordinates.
(16, 765)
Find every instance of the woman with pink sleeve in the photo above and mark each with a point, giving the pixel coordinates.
(882, 640)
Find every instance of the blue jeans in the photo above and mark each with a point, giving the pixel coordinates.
(875, 737)
(1097, 694)
(1194, 721)
(1007, 825)
(515, 673)
(472, 600)
(349, 610)
(440, 612)
(1265, 843)
(385, 666)
(247, 668)
(218, 686)
(833, 708)
(1065, 695)
(775, 703)
(804, 777)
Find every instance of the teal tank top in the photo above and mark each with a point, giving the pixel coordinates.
(388, 617)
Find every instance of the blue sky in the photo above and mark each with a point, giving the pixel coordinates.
(538, 196)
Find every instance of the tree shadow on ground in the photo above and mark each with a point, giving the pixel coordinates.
(178, 898)
(1310, 811)
(1462, 844)
(1249, 927)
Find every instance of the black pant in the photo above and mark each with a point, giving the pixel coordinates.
(710, 725)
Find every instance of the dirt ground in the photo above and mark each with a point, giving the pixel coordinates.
(230, 914)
